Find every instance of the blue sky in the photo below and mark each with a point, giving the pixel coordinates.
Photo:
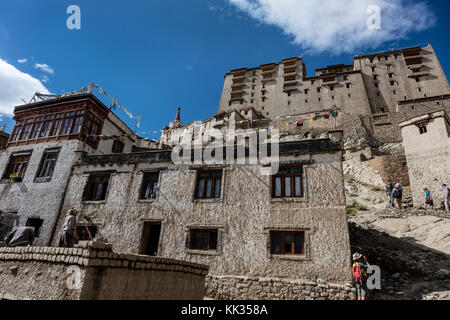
(155, 55)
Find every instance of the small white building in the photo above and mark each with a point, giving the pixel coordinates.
(426, 140)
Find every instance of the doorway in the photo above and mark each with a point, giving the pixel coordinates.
(150, 238)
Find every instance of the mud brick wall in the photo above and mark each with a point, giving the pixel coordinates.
(44, 273)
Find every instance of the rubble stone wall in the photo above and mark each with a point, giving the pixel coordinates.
(245, 288)
(391, 169)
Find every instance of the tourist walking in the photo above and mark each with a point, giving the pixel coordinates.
(428, 198)
(397, 194)
(446, 197)
(389, 189)
(69, 235)
(359, 271)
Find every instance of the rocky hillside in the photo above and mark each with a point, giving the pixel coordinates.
(412, 248)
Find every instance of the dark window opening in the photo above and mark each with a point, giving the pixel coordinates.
(208, 184)
(423, 129)
(86, 232)
(96, 187)
(150, 238)
(118, 146)
(287, 242)
(288, 183)
(36, 223)
(149, 189)
(201, 239)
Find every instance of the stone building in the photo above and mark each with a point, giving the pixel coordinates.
(251, 229)
(4, 137)
(426, 140)
(48, 138)
(373, 84)
(371, 97)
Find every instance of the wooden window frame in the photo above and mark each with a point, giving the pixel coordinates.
(293, 176)
(91, 187)
(25, 159)
(53, 125)
(212, 245)
(213, 184)
(149, 177)
(283, 234)
(39, 177)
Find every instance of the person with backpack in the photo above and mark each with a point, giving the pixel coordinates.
(428, 198)
(389, 189)
(446, 197)
(359, 271)
(397, 194)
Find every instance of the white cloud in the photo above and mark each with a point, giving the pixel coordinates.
(15, 86)
(44, 67)
(339, 26)
(189, 68)
(45, 79)
(24, 60)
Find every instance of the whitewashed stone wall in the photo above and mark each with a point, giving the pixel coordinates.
(243, 215)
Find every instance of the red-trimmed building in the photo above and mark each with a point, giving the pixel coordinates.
(48, 138)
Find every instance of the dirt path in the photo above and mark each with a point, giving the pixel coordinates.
(412, 250)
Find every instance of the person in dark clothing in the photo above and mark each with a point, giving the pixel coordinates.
(69, 235)
(428, 198)
(389, 189)
(397, 194)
